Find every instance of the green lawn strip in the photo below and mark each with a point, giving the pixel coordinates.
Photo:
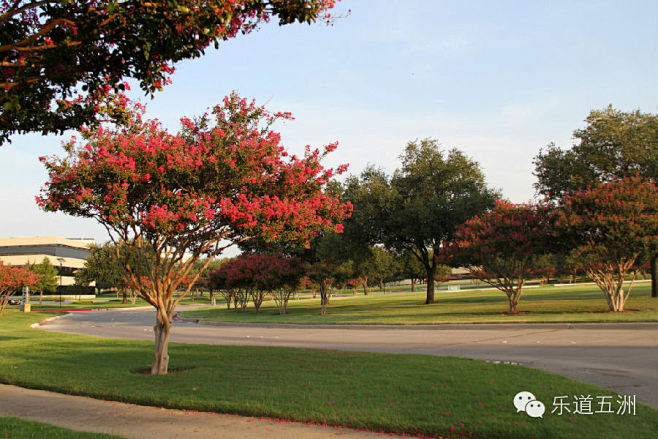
(416, 394)
(15, 428)
(545, 304)
(101, 301)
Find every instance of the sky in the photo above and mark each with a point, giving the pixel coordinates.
(497, 80)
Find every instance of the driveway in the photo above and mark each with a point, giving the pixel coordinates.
(622, 356)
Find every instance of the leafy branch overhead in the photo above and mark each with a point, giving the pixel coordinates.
(58, 59)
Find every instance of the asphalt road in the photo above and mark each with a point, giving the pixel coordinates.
(622, 356)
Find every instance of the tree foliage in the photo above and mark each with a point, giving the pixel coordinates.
(503, 247)
(59, 59)
(102, 267)
(12, 279)
(183, 196)
(379, 265)
(609, 226)
(256, 274)
(48, 273)
(418, 209)
(613, 145)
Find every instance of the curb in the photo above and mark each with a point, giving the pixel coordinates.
(43, 322)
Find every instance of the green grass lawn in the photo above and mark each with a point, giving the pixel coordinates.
(415, 394)
(15, 428)
(544, 304)
(105, 300)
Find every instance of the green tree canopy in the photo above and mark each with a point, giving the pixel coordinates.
(418, 209)
(613, 145)
(102, 267)
(48, 280)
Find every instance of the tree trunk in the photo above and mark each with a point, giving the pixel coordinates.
(324, 297)
(161, 330)
(365, 286)
(430, 285)
(125, 296)
(413, 285)
(513, 302)
(213, 302)
(654, 275)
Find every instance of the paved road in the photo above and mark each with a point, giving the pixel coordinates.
(622, 356)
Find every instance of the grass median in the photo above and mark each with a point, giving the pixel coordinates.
(415, 394)
(548, 304)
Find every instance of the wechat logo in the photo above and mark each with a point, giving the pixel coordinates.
(527, 402)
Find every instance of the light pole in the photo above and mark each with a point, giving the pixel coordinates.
(61, 261)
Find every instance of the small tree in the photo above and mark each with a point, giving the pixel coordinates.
(411, 268)
(326, 264)
(13, 279)
(279, 275)
(320, 272)
(217, 281)
(608, 227)
(240, 276)
(48, 274)
(502, 247)
(180, 197)
(378, 264)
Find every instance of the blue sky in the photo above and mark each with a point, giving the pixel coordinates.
(498, 80)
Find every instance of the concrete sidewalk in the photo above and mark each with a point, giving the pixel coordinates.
(142, 422)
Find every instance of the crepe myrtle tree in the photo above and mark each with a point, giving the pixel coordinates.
(609, 227)
(59, 59)
(503, 246)
(223, 179)
(261, 273)
(13, 279)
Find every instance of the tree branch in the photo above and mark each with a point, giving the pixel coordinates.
(47, 28)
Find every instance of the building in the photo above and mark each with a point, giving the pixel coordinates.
(66, 254)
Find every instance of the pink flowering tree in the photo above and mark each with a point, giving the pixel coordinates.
(173, 198)
(610, 228)
(503, 246)
(260, 274)
(13, 279)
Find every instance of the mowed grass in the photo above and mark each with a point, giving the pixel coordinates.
(15, 428)
(105, 300)
(583, 303)
(414, 394)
